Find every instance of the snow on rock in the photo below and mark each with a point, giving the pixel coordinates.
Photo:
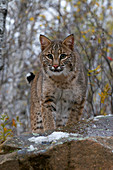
(101, 116)
(31, 148)
(52, 137)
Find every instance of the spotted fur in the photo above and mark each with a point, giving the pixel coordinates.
(58, 90)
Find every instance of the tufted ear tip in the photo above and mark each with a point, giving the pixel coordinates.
(44, 41)
(69, 41)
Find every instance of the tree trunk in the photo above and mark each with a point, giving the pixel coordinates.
(3, 13)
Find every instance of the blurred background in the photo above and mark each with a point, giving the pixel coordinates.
(91, 22)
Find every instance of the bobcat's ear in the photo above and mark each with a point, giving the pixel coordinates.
(69, 41)
(44, 42)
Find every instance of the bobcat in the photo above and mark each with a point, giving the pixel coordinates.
(58, 90)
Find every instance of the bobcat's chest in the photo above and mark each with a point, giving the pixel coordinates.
(60, 100)
(64, 98)
(63, 106)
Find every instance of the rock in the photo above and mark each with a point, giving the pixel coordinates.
(86, 146)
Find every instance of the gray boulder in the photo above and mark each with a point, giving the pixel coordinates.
(86, 146)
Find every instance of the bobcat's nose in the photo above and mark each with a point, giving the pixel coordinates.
(55, 66)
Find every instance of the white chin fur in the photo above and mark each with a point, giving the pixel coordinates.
(54, 73)
(63, 72)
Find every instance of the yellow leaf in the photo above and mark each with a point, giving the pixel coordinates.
(78, 10)
(105, 93)
(75, 6)
(78, 3)
(31, 19)
(99, 94)
(5, 129)
(6, 118)
(84, 36)
(110, 45)
(99, 40)
(106, 88)
(13, 122)
(97, 3)
(110, 7)
(104, 49)
(107, 50)
(43, 16)
(93, 30)
(98, 67)
(58, 17)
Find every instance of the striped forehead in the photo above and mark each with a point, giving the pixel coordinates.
(56, 48)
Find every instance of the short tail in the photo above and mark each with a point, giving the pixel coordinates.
(30, 76)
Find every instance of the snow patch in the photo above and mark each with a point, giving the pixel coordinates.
(52, 137)
(101, 116)
(31, 148)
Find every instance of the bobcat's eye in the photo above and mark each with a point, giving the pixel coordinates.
(50, 56)
(62, 56)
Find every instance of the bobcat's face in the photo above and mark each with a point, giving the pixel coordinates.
(57, 56)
